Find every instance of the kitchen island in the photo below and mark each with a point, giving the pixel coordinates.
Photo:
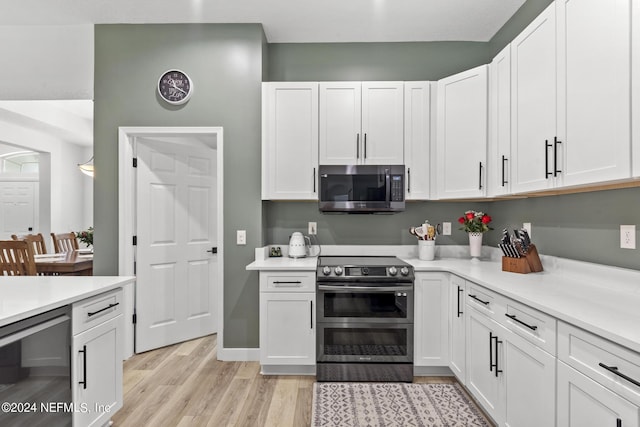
(62, 343)
(24, 297)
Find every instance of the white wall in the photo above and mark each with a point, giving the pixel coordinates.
(46, 62)
(66, 192)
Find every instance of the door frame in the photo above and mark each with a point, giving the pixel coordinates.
(213, 137)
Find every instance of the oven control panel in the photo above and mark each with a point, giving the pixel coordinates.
(363, 272)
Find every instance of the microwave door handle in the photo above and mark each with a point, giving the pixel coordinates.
(388, 187)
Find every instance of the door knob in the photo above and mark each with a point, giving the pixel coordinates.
(213, 250)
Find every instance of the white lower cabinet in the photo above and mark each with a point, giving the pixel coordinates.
(96, 352)
(513, 379)
(287, 320)
(484, 357)
(582, 402)
(431, 324)
(457, 328)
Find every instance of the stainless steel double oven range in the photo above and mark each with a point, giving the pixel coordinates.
(364, 319)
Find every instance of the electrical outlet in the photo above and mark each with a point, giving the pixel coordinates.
(313, 228)
(527, 226)
(446, 229)
(241, 237)
(628, 236)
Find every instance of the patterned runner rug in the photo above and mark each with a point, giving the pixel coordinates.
(393, 404)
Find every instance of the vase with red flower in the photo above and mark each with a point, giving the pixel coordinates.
(475, 223)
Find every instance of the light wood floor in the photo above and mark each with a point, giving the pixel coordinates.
(184, 385)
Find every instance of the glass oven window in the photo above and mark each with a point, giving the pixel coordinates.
(365, 304)
(365, 342)
(349, 188)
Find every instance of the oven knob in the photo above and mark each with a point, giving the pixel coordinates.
(338, 270)
(393, 271)
(404, 271)
(326, 270)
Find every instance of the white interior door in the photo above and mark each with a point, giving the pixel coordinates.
(18, 208)
(176, 269)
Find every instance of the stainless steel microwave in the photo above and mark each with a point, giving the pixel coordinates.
(361, 188)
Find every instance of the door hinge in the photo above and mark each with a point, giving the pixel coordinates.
(135, 240)
(135, 162)
(135, 318)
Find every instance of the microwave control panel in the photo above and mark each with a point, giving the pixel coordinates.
(397, 190)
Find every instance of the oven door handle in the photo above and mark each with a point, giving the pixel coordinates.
(365, 288)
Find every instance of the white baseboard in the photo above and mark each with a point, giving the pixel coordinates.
(239, 354)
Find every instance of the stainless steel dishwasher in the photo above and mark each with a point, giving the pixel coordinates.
(35, 372)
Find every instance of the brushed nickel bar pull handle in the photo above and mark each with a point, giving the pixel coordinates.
(409, 179)
(357, 146)
(460, 290)
(504, 160)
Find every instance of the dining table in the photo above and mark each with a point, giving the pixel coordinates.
(74, 263)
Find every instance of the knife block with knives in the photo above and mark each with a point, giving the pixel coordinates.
(520, 255)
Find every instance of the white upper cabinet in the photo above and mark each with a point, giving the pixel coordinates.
(417, 137)
(635, 86)
(361, 123)
(340, 122)
(290, 141)
(594, 109)
(499, 150)
(533, 104)
(461, 134)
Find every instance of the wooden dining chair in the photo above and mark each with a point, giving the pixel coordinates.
(36, 240)
(64, 242)
(16, 258)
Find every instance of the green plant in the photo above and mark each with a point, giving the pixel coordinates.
(475, 222)
(86, 236)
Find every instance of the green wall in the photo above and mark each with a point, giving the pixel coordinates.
(372, 61)
(225, 62)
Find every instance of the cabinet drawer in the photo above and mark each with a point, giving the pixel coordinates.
(533, 325)
(609, 364)
(287, 281)
(485, 301)
(95, 310)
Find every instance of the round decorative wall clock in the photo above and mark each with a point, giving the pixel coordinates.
(175, 87)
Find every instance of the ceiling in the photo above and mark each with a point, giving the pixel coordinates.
(288, 21)
(67, 120)
(284, 21)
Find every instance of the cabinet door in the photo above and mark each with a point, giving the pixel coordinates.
(529, 384)
(462, 134)
(383, 123)
(417, 137)
(499, 151)
(287, 328)
(482, 380)
(533, 103)
(290, 144)
(96, 373)
(594, 66)
(457, 316)
(583, 402)
(431, 326)
(340, 123)
(635, 85)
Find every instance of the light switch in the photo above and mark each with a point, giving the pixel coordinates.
(241, 237)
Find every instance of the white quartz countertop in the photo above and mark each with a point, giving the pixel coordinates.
(602, 299)
(26, 296)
